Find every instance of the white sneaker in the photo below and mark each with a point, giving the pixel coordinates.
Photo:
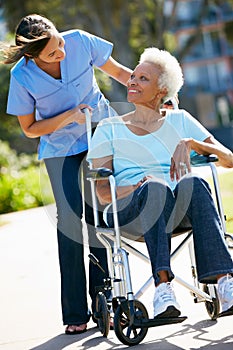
(225, 292)
(165, 304)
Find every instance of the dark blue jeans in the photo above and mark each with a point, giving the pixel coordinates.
(154, 210)
(64, 173)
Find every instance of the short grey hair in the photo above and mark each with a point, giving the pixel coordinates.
(171, 76)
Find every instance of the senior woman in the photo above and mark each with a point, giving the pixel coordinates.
(149, 152)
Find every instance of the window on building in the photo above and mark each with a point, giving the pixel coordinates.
(196, 79)
(208, 78)
(188, 12)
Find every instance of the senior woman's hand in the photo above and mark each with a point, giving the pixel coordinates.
(180, 161)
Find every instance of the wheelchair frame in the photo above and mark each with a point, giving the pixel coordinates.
(131, 320)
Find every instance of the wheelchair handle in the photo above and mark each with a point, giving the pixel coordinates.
(88, 125)
(99, 173)
(200, 160)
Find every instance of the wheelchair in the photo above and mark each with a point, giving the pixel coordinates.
(131, 319)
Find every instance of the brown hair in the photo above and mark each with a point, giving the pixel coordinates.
(32, 35)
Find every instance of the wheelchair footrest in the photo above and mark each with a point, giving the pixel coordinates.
(152, 322)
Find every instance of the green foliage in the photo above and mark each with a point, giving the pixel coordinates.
(10, 130)
(226, 188)
(9, 127)
(20, 179)
(4, 83)
(226, 185)
(104, 81)
(169, 41)
(228, 31)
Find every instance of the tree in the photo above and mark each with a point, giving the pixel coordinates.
(131, 25)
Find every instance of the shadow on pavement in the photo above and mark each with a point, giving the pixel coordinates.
(90, 340)
(62, 340)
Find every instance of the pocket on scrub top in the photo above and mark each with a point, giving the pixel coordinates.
(83, 84)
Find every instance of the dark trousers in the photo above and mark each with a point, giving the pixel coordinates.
(154, 210)
(65, 177)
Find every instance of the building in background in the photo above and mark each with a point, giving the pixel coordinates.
(208, 65)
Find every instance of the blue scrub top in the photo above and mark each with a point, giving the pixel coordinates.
(33, 89)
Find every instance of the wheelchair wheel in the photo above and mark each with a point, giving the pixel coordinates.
(213, 308)
(129, 335)
(103, 314)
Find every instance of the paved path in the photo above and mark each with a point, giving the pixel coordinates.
(30, 317)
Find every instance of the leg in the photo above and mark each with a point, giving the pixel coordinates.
(213, 259)
(147, 214)
(157, 237)
(194, 198)
(63, 173)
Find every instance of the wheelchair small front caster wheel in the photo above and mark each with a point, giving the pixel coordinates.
(102, 314)
(130, 335)
(213, 308)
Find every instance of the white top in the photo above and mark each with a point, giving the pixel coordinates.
(137, 156)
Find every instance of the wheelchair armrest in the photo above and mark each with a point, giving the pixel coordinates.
(201, 160)
(99, 173)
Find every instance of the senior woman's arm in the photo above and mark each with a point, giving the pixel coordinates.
(103, 191)
(180, 161)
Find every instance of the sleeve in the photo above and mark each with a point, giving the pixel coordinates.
(101, 142)
(20, 102)
(193, 128)
(99, 48)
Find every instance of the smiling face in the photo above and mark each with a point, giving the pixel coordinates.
(54, 50)
(143, 86)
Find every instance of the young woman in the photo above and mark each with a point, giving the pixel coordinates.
(149, 150)
(52, 80)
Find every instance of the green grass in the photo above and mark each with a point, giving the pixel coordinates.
(226, 186)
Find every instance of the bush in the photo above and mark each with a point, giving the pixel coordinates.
(21, 177)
